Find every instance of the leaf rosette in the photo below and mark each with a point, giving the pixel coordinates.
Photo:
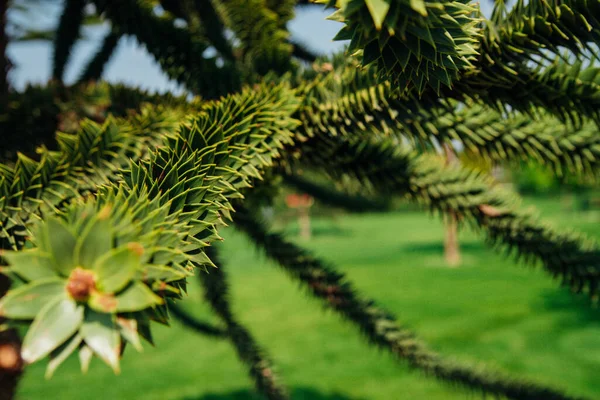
(84, 286)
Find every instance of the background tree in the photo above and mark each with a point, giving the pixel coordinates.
(104, 223)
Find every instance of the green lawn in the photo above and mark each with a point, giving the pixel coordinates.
(490, 310)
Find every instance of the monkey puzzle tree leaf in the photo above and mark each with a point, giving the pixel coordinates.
(101, 334)
(85, 357)
(27, 301)
(202, 259)
(419, 6)
(30, 264)
(115, 268)
(171, 273)
(102, 302)
(96, 240)
(378, 10)
(129, 330)
(143, 327)
(54, 324)
(136, 298)
(60, 355)
(166, 290)
(61, 242)
(371, 52)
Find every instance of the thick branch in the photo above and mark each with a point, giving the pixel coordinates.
(216, 292)
(194, 324)
(180, 54)
(95, 67)
(331, 197)
(66, 35)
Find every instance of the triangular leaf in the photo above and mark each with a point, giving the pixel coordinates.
(95, 241)
(161, 273)
(136, 298)
(378, 10)
(85, 357)
(371, 52)
(55, 323)
(419, 6)
(116, 268)
(129, 330)
(61, 242)
(63, 352)
(100, 333)
(30, 264)
(143, 326)
(27, 301)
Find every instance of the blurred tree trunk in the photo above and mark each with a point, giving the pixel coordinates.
(451, 245)
(304, 222)
(11, 365)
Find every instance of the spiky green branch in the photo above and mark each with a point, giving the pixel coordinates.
(502, 61)
(415, 45)
(91, 157)
(263, 42)
(194, 324)
(517, 44)
(260, 368)
(154, 218)
(33, 116)
(210, 24)
(29, 120)
(179, 53)
(214, 29)
(533, 27)
(558, 88)
(95, 67)
(482, 129)
(66, 35)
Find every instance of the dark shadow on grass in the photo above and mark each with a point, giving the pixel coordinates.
(576, 308)
(437, 247)
(297, 394)
(318, 231)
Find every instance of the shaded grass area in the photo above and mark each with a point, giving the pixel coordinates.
(490, 310)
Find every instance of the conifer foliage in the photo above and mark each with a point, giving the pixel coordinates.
(104, 224)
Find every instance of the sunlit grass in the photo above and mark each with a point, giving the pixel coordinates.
(489, 310)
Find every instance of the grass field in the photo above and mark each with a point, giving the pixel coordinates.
(490, 310)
